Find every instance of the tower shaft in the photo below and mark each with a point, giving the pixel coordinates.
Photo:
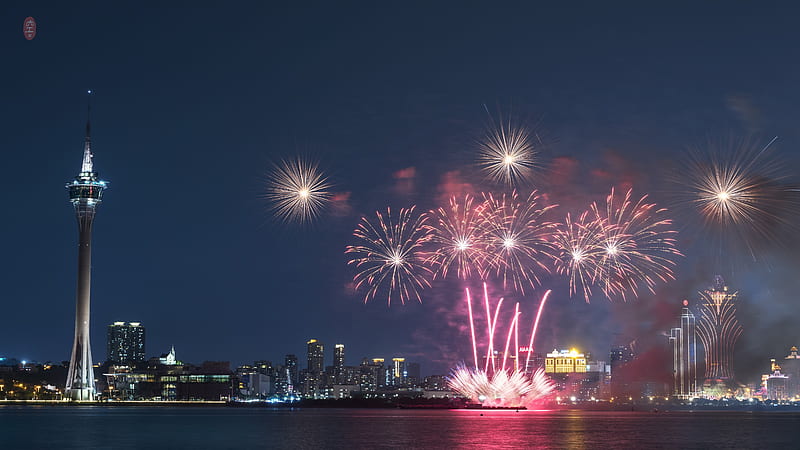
(80, 378)
(85, 193)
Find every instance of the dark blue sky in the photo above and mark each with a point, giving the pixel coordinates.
(193, 104)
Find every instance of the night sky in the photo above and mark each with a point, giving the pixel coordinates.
(192, 105)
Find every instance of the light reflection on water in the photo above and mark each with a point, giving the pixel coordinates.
(84, 427)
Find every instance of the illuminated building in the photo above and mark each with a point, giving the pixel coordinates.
(338, 364)
(778, 386)
(125, 342)
(264, 367)
(169, 359)
(290, 367)
(565, 361)
(372, 374)
(85, 194)
(619, 356)
(212, 380)
(791, 367)
(684, 356)
(315, 356)
(399, 372)
(718, 330)
(533, 359)
(413, 374)
(312, 376)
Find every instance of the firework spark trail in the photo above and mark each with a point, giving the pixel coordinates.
(638, 245)
(458, 235)
(580, 251)
(391, 256)
(472, 329)
(492, 327)
(298, 190)
(536, 325)
(511, 330)
(519, 240)
(503, 387)
(507, 153)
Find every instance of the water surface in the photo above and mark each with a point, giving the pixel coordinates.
(96, 427)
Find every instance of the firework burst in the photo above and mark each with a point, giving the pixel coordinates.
(507, 153)
(459, 238)
(297, 190)
(390, 256)
(580, 251)
(519, 239)
(494, 384)
(638, 245)
(503, 388)
(742, 193)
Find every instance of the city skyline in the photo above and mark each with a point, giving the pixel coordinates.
(187, 233)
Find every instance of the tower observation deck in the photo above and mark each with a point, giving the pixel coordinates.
(85, 194)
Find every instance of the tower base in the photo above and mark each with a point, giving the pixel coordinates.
(80, 395)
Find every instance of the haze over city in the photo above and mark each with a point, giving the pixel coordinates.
(191, 108)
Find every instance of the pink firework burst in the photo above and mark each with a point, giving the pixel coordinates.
(580, 251)
(520, 240)
(638, 245)
(390, 256)
(459, 238)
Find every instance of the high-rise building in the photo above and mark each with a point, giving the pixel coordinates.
(684, 356)
(338, 364)
(125, 342)
(718, 329)
(85, 194)
(315, 356)
(619, 356)
(414, 376)
(399, 371)
(290, 367)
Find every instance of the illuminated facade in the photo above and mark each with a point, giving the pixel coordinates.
(778, 386)
(315, 356)
(290, 367)
(399, 371)
(312, 376)
(125, 343)
(338, 364)
(532, 359)
(684, 356)
(791, 367)
(619, 356)
(565, 361)
(85, 194)
(718, 329)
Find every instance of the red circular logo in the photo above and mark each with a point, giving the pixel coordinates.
(29, 28)
(686, 303)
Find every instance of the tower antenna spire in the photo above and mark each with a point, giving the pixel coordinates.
(87, 166)
(88, 115)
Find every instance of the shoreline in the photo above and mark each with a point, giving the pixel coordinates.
(661, 409)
